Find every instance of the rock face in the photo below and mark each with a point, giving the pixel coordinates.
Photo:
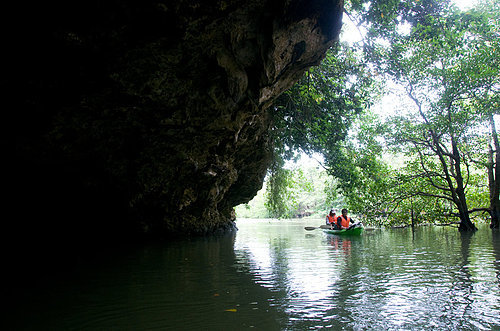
(150, 116)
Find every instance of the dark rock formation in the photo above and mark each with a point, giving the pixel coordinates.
(149, 116)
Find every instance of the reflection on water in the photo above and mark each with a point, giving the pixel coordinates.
(391, 279)
(274, 275)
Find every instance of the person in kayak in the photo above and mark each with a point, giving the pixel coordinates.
(344, 221)
(331, 218)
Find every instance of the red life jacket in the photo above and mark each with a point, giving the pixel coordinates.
(331, 219)
(344, 222)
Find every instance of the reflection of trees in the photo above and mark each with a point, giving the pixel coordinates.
(180, 284)
(296, 269)
(399, 278)
(345, 284)
(209, 274)
(495, 239)
(461, 287)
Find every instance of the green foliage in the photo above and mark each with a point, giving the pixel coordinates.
(414, 199)
(364, 179)
(448, 61)
(333, 195)
(279, 197)
(316, 113)
(314, 116)
(255, 208)
(306, 195)
(289, 192)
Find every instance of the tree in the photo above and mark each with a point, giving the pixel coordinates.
(488, 102)
(443, 66)
(493, 169)
(448, 62)
(284, 187)
(363, 177)
(303, 193)
(316, 113)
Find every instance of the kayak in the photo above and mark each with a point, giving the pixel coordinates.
(353, 231)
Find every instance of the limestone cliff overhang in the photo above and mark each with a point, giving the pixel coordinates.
(150, 115)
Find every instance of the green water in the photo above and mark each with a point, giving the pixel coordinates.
(275, 275)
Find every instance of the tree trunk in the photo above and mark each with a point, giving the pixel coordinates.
(495, 215)
(493, 175)
(461, 203)
(412, 215)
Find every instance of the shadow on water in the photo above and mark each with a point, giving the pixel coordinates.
(182, 284)
(273, 276)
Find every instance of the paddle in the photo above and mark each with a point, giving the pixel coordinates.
(309, 228)
(354, 225)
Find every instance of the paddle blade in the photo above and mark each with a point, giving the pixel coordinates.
(309, 228)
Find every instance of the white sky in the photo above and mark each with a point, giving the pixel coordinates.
(351, 34)
(465, 4)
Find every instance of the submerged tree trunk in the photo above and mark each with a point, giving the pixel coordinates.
(461, 200)
(495, 215)
(412, 214)
(493, 175)
(454, 187)
(457, 188)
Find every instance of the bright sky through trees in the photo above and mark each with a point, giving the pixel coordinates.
(395, 99)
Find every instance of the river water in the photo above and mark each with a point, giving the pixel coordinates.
(275, 275)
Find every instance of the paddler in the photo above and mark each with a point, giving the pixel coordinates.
(331, 219)
(344, 221)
